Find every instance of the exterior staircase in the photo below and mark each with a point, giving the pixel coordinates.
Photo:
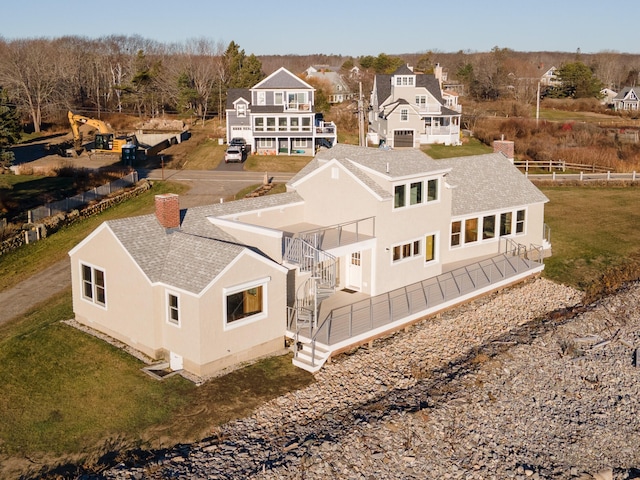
(320, 266)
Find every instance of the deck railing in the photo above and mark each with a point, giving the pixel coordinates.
(344, 323)
(361, 228)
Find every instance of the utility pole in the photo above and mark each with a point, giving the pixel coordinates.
(361, 114)
(538, 105)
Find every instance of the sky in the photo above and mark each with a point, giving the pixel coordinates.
(340, 27)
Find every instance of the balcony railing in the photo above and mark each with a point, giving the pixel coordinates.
(298, 107)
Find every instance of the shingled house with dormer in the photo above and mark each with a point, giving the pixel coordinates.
(408, 110)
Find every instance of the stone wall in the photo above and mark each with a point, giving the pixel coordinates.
(56, 222)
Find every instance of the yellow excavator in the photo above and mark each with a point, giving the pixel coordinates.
(105, 139)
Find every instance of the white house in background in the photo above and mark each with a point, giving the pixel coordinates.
(364, 241)
(549, 78)
(408, 110)
(607, 96)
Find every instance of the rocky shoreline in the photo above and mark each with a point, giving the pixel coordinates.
(525, 383)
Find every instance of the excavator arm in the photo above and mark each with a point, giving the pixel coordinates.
(105, 138)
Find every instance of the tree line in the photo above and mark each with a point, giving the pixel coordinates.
(44, 78)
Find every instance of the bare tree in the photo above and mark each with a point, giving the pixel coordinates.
(29, 73)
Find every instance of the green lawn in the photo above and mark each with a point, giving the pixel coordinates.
(66, 394)
(592, 229)
(472, 147)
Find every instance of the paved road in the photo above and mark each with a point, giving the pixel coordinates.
(206, 187)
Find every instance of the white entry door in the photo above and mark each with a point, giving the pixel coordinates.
(355, 271)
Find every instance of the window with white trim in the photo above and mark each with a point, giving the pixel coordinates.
(93, 285)
(173, 309)
(421, 101)
(405, 250)
(278, 98)
(488, 227)
(300, 143)
(456, 233)
(258, 124)
(399, 196)
(430, 248)
(416, 193)
(470, 230)
(245, 302)
(404, 114)
(432, 190)
(505, 223)
(241, 110)
(271, 124)
(520, 221)
(404, 80)
(282, 124)
(265, 142)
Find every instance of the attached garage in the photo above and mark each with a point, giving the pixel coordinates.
(403, 138)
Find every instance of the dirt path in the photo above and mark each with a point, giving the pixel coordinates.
(32, 291)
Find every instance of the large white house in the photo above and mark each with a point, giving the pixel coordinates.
(363, 241)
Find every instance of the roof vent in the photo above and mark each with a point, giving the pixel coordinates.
(168, 210)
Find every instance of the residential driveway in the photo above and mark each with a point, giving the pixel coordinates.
(207, 186)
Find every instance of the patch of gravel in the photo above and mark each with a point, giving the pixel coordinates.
(526, 383)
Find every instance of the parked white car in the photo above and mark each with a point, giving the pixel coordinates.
(233, 154)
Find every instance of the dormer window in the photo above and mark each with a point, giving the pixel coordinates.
(405, 80)
(241, 110)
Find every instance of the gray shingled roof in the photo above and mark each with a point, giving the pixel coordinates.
(428, 81)
(400, 163)
(482, 182)
(282, 79)
(192, 256)
(488, 182)
(234, 94)
(181, 259)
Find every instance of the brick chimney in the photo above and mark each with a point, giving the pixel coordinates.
(168, 210)
(505, 147)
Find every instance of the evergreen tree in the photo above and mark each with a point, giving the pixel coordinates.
(9, 129)
(578, 81)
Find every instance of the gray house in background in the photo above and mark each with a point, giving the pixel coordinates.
(627, 99)
(277, 117)
(340, 91)
(408, 110)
